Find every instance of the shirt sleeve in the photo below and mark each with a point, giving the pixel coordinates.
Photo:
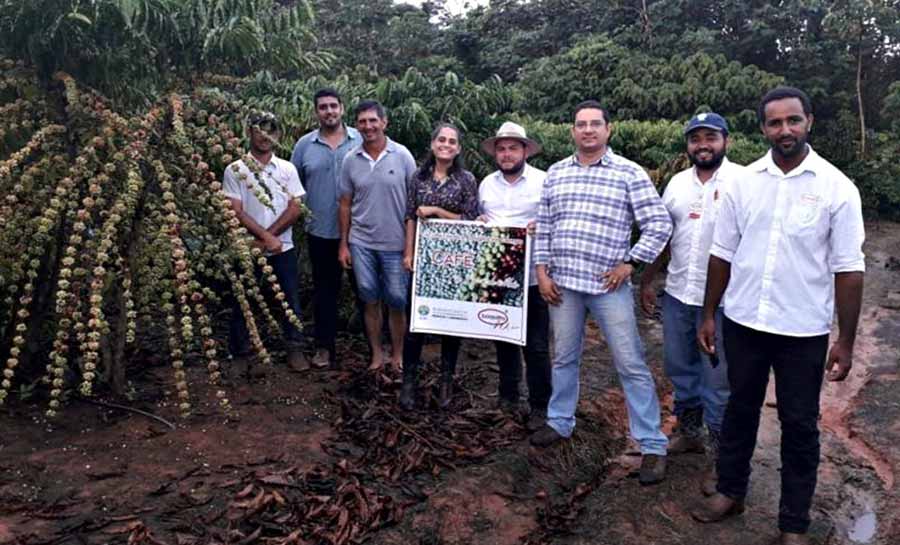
(297, 160)
(294, 187)
(651, 216)
(470, 206)
(847, 233)
(542, 228)
(412, 198)
(727, 233)
(345, 187)
(230, 183)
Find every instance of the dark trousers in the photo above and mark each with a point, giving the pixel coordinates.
(412, 353)
(327, 275)
(284, 266)
(799, 365)
(537, 357)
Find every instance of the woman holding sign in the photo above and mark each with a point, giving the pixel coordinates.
(440, 189)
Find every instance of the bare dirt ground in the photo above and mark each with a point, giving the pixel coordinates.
(327, 458)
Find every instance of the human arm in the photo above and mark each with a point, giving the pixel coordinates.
(847, 262)
(848, 289)
(409, 245)
(717, 277)
(546, 285)
(648, 293)
(268, 241)
(344, 226)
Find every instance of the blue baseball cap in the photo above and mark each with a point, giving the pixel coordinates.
(707, 120)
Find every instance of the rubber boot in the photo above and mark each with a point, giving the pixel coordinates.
(408, 390)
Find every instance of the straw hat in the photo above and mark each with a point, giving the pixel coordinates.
(514, 131)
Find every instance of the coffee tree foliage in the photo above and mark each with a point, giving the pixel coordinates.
(118, 118)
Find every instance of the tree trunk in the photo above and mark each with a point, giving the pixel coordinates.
(859, 96)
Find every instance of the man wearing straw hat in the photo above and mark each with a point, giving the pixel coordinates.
(510, 196)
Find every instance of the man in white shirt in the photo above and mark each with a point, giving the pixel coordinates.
(692, 198)
(787, 247)
(265, 192)
(510, 196)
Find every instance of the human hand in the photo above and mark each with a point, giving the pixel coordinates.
(839, 362)
(616, 277)
(648, 300)
(532, 228)
(272, 243)
(344, 257)
(426, 212)
(549, 290)
(408, 261)
(706, 336)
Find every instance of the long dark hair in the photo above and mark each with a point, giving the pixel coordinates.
(427, 168)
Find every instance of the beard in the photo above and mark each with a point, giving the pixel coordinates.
(798, 146)
(711, 163)
(515, 169)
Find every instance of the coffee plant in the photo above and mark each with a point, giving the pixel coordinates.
(112, 224)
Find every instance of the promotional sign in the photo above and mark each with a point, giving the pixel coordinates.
(471, 280)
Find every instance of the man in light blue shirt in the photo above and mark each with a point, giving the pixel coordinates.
(318, 156)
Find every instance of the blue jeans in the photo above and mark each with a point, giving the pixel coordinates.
(614, 313)
(696, 382)
(380, 276)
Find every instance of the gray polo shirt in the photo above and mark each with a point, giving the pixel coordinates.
(319, 167)
(379, 195)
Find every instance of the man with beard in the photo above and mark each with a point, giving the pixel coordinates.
(318, 156)
(265, 192)
(787, 247)
(510, 196)
(692, 198)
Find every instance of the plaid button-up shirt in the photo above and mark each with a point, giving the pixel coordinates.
(585, 219)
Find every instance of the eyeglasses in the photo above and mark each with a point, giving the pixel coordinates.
(583, 125)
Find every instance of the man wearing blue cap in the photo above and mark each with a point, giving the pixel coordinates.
(692, 198)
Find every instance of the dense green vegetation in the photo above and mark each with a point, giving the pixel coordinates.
(117, 118)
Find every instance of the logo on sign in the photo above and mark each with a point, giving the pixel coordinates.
(493, 317)
(424, 310)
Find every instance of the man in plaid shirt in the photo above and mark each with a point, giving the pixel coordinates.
(584, 260)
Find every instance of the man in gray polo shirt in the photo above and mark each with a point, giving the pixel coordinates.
(318, 156)
(374, 179)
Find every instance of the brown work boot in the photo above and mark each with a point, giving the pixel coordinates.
(536, 420)
(789, 538)
(653, 469)
(545, 437)
(321, 359)
(297, 361)
(716, 508)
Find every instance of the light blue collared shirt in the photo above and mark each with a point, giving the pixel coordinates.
(319, 168)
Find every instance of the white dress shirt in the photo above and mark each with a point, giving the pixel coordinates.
(786, 235)
(694, 206)
(512, 204)
(280, 178)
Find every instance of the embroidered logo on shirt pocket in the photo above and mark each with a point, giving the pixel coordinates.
(805, 211)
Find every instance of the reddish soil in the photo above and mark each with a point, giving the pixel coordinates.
(324, 458)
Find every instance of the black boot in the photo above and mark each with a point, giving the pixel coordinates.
(408, 390)
(445, 390)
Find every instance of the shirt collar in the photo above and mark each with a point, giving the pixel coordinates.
(522, 177)
(348, 135)
(812, 163)
(390, 147)
(717, 175)
(605, 160)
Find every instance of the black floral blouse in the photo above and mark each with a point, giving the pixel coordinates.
(457, 194)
